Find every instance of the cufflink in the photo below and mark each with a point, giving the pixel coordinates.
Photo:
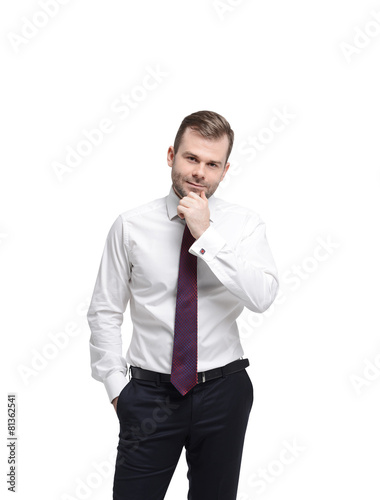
(202, 251)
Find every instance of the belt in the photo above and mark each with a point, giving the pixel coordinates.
(234, 366)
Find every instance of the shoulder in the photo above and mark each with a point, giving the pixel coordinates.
(236, 211)
(140, 216)
(144, 210)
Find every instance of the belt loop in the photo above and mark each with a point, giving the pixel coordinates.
(223, 373)
(129, 371)
(158, 379)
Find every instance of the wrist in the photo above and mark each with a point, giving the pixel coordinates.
(198, 233)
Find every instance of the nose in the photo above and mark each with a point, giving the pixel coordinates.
(199, 170)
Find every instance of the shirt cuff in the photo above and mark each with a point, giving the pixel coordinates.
(208, 244)
(114, 384)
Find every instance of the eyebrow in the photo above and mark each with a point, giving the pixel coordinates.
(189, 153)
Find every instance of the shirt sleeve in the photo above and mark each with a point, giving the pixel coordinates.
(248, 269)
(105, 314)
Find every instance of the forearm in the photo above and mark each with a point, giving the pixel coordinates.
(248, 272)
(107, 363)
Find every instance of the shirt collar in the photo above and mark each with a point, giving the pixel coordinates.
(172, 201)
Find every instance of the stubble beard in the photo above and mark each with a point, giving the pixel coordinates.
(179, 183)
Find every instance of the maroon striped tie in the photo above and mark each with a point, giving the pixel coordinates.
(185, 348)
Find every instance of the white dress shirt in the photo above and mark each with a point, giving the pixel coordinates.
(140, 264)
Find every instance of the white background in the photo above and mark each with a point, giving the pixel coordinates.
(315, 184)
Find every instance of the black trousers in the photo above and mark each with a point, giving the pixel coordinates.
(156, 422)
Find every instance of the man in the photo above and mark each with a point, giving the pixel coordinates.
(188, 263)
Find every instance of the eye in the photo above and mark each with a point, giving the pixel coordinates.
(191, 158)
(213, 164)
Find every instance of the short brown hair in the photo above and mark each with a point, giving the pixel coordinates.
(209, 124)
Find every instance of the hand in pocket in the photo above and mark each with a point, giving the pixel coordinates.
(114, 402)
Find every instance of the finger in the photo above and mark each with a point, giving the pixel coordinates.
(181, 211)
(193, 195)
(186, 202)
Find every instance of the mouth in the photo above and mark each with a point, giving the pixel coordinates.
(195, 185)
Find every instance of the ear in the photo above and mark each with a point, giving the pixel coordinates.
(225, 171)
(170, 156)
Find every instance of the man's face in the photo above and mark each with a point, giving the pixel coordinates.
(199, 165)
